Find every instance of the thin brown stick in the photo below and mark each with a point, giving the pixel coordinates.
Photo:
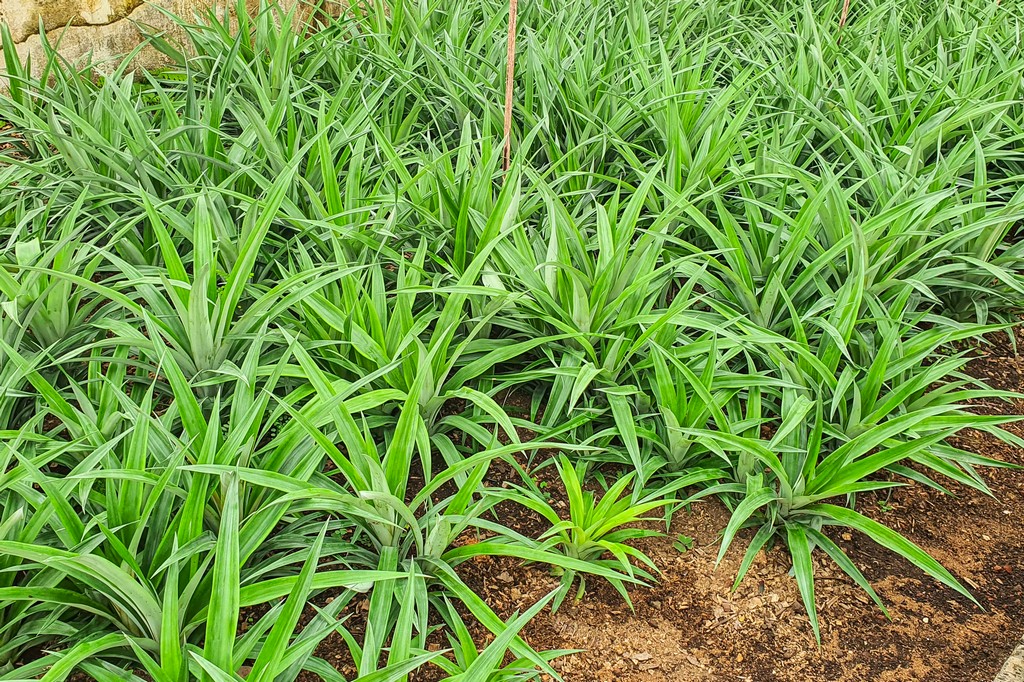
(842, 19)
(510, 70)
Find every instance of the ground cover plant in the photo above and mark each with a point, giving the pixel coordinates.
(270, 314)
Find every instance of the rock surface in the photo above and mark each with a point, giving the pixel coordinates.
(100, 31)
(1013, 670)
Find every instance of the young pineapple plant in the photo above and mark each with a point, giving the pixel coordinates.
(275, 318)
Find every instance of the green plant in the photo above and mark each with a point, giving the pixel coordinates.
(470, 664)
(596, 528)
(785, 485)
(280, 294)
(683, 544)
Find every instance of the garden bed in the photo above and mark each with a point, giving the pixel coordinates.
(691, 626)
(376, 353)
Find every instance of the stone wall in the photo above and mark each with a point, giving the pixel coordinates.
(99, 30)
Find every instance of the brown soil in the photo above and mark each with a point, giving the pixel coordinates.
(11, 141)
(692, 627)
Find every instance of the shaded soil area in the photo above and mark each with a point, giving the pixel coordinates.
(691, 626)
